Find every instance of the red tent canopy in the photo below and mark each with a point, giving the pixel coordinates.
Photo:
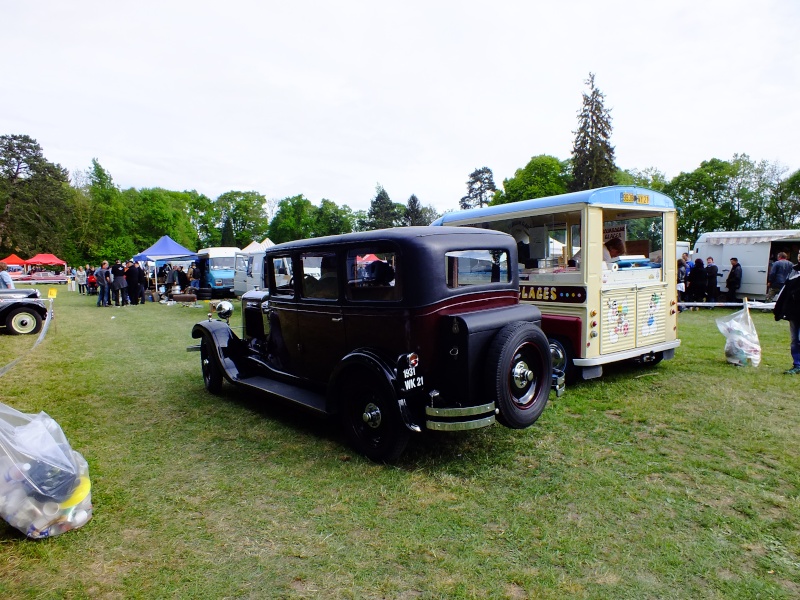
(45, 259)
(13, 259)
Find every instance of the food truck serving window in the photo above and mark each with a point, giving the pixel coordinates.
(477, 267)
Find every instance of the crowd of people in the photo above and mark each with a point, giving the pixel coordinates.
(698, 281)
(122, 284)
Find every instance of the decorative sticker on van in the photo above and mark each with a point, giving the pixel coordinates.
(553, 293)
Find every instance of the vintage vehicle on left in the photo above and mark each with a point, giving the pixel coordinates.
(22, 311)
(43, 278)
(395, 332)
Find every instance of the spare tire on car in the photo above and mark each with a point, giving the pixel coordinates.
(518, 373)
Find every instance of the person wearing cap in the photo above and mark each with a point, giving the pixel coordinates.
(119, 287)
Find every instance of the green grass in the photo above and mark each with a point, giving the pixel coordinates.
(679, 481)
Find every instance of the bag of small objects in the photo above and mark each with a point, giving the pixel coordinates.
(742, 347)
(45, 488)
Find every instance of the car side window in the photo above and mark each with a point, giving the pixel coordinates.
(281, 272)
(476, 267)
(372, 275)
(320, 275)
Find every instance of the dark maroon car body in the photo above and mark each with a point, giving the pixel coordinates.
(420, 329)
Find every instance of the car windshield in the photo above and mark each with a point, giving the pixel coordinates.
(222, 262)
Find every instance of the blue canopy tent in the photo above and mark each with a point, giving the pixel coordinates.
(165, 250)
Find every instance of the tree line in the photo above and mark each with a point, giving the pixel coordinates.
(86, 217)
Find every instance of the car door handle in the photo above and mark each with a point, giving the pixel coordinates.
(336, 319)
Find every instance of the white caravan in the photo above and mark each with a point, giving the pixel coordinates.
(755, 250)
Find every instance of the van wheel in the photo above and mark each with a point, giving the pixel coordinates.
(518, 373)
(212, 378)
(371, 418)
(561, 355)
(204, 294)
(22, 320)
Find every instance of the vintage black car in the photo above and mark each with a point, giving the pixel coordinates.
(21, 311)
(396, 331)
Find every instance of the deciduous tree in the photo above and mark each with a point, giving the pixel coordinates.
(543, 176)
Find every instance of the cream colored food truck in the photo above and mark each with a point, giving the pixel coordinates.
(596, 309)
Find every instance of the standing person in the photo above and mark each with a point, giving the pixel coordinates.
(194, 276)
(80, 279)
(103, 277)
(697, 282)
(734, 280)
(778, 274)
(681, 282)
(181, 279)
(119, 286)
(132, 282)
(787, 307)
(142, 282)
(6, 283)
(712, 272)
(688, 263)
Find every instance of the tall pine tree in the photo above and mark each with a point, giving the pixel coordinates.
(480, 189)
(383, 213)
(592, 153)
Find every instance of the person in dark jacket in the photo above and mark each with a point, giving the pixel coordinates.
(697, 281)
(132, 279)
(712, 272)
(734, 281)
(787, 307)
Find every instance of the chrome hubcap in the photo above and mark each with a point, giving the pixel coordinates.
(372, 415)
(522, 375)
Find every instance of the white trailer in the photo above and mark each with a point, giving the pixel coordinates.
(755, 250)
(249, 272)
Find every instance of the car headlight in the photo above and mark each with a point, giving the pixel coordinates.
(224, 309)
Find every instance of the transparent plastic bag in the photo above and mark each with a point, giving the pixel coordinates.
(45, 488)
(741, 339)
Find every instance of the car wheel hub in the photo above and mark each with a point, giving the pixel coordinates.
(372, 415)
(522, 375)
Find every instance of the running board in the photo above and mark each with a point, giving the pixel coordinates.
(314, 401)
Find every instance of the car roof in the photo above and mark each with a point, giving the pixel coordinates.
(423, 235)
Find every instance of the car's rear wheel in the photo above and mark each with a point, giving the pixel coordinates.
(518, 373)
(23, 320)
(371, 418)
(212, 377)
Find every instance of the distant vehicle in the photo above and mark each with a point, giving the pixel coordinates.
(394, 331)
(217, 268)
(756, 250)
(249, 272)
(21, 311)
(43, 278)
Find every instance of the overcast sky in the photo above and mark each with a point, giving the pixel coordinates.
(328, 99)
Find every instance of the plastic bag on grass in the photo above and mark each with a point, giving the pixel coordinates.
(741, 340)
(44, 484)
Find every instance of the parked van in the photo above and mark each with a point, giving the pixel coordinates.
(756, 251)
(249, 272)
(217, 268)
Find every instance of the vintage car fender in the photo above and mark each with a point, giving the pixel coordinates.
(364, 358)
(223, 340)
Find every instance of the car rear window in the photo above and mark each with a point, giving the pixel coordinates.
(477, 267)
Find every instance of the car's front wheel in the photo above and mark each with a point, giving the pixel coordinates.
(371, 418)
(23, 320)
(518, 373)
(212, 377)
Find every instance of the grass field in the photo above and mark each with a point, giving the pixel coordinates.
(679, 481)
